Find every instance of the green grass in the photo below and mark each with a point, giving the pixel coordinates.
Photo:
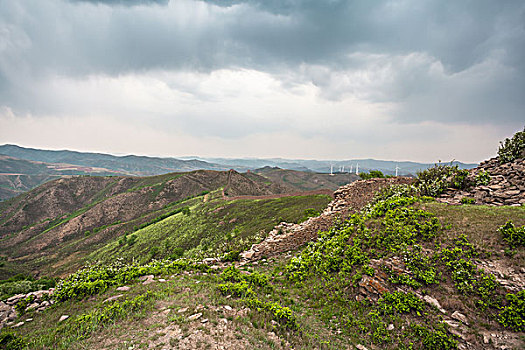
(212, 228)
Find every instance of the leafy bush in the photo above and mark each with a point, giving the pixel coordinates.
(468, 200)
(435, 180)
(352, 243)
(22, 304)
(89, 322)
(483, 178)
(513, 315)
(177, 253)
(95, 279)
(400, 302)
(514, 236)
(233, 255)
(372, 174)
(22, 284)
(512, 149)
(433, 338)
(9, 340)
(467, 278)
(283, 315)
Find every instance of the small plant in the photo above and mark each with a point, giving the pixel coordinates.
(21, 306)
(514, 236)
(468, 200)
(435, 180)
(400, 302)
(371, 175)
(233, 255)
(131, 240)
(513, 315)
(483, 178)
(513, 148)
(176, 253)
(9, 340)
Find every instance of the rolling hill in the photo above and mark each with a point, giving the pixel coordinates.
(51, 228)
(19, 175)
(130, 164)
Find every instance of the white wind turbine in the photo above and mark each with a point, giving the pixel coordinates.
(397, 168)
(357, 169)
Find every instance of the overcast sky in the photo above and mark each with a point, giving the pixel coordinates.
(328, 79)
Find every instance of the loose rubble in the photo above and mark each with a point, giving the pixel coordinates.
(506, 186)
(40, 301)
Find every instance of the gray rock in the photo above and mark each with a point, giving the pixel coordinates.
(146, 277)
(115, 297)
(460, 317)
(195, 317)
(434, 302)
(123, 288)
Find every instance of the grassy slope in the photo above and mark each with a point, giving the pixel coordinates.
(212, 228)
(324, 323)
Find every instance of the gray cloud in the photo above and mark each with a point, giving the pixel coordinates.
(124, 2)
(434, 60)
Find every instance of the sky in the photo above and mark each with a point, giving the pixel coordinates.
(421, 80)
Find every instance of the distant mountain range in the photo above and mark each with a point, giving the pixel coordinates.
(130, 165)
(22, 169)
(325, 166)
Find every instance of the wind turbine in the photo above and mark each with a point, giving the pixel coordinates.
(357, 169)
(331, 169)
(397, 168)
(351, 167)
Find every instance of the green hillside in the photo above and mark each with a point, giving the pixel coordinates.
(210, 229)
(311, 301)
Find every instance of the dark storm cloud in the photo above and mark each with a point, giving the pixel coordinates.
(465, 59)
(124, 2)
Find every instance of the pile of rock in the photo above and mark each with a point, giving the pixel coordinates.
(40, 300)
(506, 186)
(347, 199)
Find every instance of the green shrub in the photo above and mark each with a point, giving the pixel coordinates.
(91, 321)
(483, 178)
(400, 302)
(131, 240)
(372, 174)
(176, 253)
(468, 200)
(513, 148)
(513, 315)
(433, 339)
(9, 340)
(95, 279)
(233, 255)
(22, 284)
(435, 180)
(514, 236)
